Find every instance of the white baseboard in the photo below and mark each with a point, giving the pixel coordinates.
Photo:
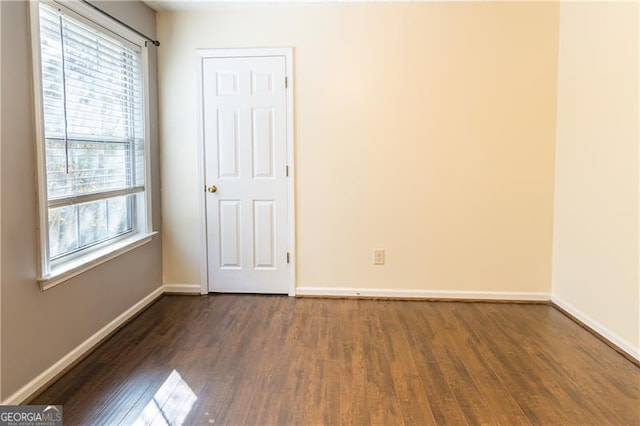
(597, 327)
(421, 294)
(50, 373)
(182, 289)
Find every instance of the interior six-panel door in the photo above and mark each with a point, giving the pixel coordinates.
(244, 119)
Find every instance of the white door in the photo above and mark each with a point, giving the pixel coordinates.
(244, 120)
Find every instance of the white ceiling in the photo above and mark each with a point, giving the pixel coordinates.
(166, 5)
(204, 5)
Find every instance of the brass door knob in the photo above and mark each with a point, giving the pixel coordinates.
(212, 189)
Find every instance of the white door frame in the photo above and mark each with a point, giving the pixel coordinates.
(287, 53)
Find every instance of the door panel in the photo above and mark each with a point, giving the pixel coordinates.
(227, 143)
(264, 225)
(263, 155)
(244, 119)
(229, 240)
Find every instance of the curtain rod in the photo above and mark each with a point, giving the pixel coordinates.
(148, 39)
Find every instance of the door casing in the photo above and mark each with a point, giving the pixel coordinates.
(287, 53)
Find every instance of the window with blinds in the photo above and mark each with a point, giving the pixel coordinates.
(93, 114)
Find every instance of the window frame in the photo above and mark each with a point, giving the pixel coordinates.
(54, 272)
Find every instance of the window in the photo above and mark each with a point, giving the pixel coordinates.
(93, 137)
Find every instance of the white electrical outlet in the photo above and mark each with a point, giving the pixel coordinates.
(378, 257)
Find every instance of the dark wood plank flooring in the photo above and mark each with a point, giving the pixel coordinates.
(272, 360)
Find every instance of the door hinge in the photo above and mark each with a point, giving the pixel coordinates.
(288, 260)
(286, 171)
(286, 82)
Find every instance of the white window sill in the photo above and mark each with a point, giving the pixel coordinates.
(77, 266)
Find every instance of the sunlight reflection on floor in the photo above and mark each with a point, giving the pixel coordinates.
(170, 405)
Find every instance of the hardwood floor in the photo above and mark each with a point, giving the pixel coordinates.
(272, 360)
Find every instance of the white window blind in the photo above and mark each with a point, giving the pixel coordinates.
(94, 132)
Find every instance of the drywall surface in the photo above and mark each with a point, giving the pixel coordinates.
(426, 129)
(39, 328)
(595, 251)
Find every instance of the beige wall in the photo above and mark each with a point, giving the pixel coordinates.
(425, 129)
(595, 261)
(38, 328)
